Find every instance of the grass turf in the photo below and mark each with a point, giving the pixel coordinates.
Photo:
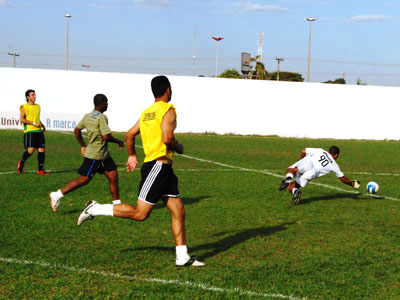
(336, 244)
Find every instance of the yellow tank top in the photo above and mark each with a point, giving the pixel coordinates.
(150, 130)
(32, 113)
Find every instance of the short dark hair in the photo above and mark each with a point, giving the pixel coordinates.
(99, 99)
(27, 94)
(159, 85)
(334, 150)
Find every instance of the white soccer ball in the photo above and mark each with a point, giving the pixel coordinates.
(372, 187)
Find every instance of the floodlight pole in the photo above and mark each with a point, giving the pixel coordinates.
(216, 58)
(194, 50)
(15, 56)
(309, 48)
(66, 47)
(277, 72)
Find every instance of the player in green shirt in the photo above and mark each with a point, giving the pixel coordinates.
(97, 159)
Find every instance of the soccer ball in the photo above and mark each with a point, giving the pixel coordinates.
(372, 187)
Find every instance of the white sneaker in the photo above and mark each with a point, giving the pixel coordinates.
(85, 214)
(54, 201)
(191, 262)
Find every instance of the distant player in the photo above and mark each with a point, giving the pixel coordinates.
(33, 132)
(315, 163)
(156, 126)
(97, 158)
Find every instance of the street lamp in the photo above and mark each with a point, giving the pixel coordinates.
(15, 55)
(216, 59)
(66, 50)
(309, 48)
(277, 72)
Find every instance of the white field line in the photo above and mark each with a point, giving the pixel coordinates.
(200, 286)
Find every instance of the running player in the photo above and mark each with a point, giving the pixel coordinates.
(97, 158)
(33, 132)
(156, 126)
(315, 162)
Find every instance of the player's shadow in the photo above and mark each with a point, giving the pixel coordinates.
(329, 197)
(186, 201)
(224, 244)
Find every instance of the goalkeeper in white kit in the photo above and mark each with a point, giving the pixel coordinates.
(314, 163)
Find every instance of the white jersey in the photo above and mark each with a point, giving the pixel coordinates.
(323, 163)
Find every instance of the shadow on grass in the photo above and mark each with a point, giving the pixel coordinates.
(329, 197)
(224, 244)
(186, 201)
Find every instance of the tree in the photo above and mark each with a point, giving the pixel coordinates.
(230, 73)
(259, 71)
(336, 81)
(287, 76)
(360, 82)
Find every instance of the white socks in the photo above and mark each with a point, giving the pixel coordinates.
(117, 201)
(289, 175)
(59, 194)
(102, 210)
(181, 253)
(295, 189)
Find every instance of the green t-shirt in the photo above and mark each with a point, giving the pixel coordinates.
(96, 125)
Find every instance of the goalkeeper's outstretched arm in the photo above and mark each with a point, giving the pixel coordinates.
(354, 183)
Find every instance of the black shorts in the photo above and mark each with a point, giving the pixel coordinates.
(90, 167)
(34, 140)
(158, 181)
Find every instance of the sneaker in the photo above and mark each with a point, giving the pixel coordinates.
(285, 183)
(296, 197)
(54, 201)
(85, 215)
(20, 167)
(191, 262)
(41, 172)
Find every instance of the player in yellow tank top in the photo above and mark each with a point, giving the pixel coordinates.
(156, 126)
(33, 132)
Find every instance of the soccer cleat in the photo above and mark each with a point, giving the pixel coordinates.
(191, 262)
(41, 172)
(54, 201)
(20, 167)
(296, 197)
(85, 215)
(285, 183)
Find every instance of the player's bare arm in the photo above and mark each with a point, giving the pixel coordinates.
(78, 135)
(168, 127)
(303, 153)
(23, 119)
(130, 146)
(111, 139)
(354, 183)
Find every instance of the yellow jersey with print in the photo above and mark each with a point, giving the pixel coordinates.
(150, 130)
(32, 113)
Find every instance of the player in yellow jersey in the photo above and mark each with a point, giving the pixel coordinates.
(33, 132)
(156, 126)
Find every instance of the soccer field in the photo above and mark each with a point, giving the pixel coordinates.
(339, 243)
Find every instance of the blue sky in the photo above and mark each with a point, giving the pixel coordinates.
(354, 39)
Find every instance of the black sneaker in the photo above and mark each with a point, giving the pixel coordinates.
(296, 197)
(285, 183)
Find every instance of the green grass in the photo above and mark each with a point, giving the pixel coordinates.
(335, 245)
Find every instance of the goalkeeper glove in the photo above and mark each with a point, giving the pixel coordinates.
(356, 184)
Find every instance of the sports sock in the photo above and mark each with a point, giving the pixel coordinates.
(295, 189)
(289, 176)
(181, 253)
(59, 194)
(118, 201)
(102, 210)
(25, 156)
(40, 158)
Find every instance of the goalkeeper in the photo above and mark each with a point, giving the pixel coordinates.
(314, 163)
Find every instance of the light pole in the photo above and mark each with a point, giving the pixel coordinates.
(15, 56)
(66, 47)
(309, 48)
(194, 50)
(216, 59)
(277, 72)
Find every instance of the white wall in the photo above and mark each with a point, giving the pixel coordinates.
(213, 104)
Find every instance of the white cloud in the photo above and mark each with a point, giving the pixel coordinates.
(368, 18)
(4, 3)
(152, 4)
(248, 7)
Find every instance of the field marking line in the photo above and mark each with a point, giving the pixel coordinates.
(201, 286)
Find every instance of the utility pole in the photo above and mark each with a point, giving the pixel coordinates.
(309, 48)
(15, 58)
(277, 72)
(217, 39)
(194, 50)
(66, 47)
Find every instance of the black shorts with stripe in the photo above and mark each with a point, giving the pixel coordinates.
(34, 139)
(158, 181)
(90, 167)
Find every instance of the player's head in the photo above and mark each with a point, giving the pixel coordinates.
(160, 85)
(101, 102)
(334, 151)
(29, 95)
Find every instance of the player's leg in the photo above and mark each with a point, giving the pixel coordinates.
(28, 151)
(290, 173)
(110, 171)
(40, 145)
